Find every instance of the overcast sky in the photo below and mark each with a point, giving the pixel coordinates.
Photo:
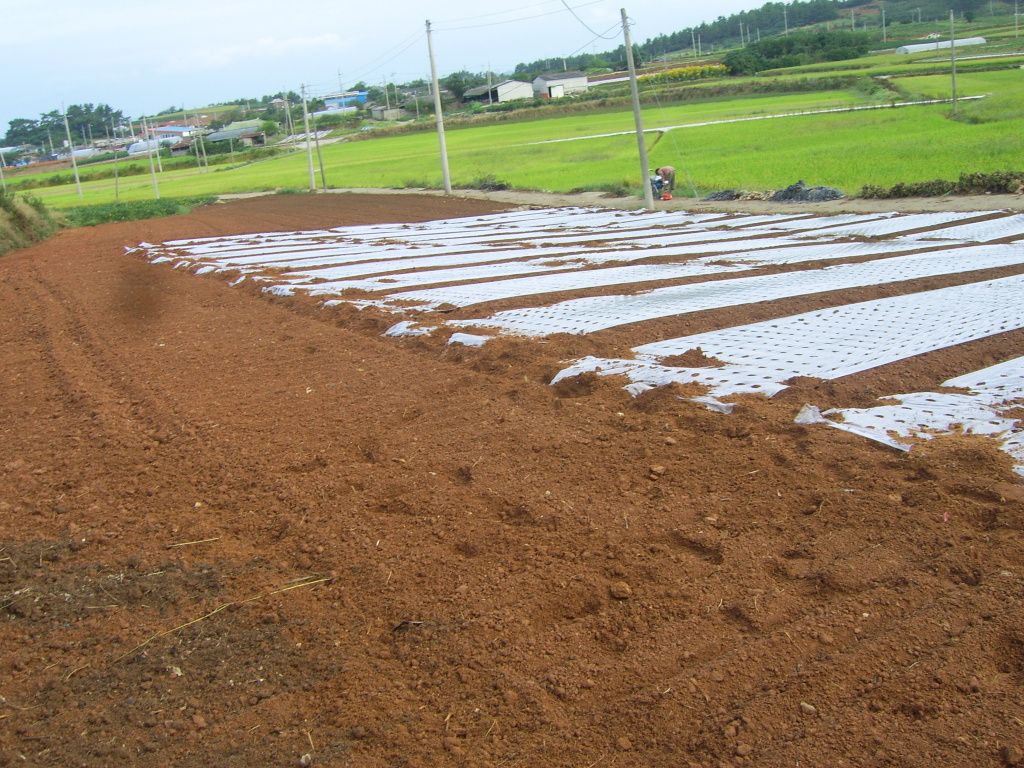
(142, 57)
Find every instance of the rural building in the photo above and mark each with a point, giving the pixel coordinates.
(331, 111)
(558, 84)
(940, 45)
(246, 137)
(506, 90)
(386, 113)
(247, 125)
(346, 99)
(173, 133)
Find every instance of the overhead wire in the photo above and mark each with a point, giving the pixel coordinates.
(522, 18)
(601, 37)
(388, 56)
(496, 13)
(570, 10)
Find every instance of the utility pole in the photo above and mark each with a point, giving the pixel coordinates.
(199, 161)
(883, 23)
(785, 20)
(645, 171)
(319, 156)
(116, 196)
(309, 147)
(149, 151)
(445, 175)
(693, 39)
(952, 55)
(71, 149)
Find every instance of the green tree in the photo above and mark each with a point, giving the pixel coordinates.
(458, 83)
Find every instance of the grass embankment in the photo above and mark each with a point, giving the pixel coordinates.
(23, 221)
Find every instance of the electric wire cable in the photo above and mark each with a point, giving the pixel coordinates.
(512, 21)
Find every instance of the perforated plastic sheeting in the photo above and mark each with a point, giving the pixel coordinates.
(997, 385)
(828, 343)
(596, 313)
(811, 222)
(476, 293)
(979, 231)
(926, 414)
(497, 259)
(895, 225)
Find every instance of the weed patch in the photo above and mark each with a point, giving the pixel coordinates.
(998, 183)
(91, 215)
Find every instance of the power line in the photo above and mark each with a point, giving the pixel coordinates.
(388, 56)
(497, 13)
(602, 37)
(570, 10)
(523, 18)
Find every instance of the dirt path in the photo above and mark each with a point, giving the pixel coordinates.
(236, 531)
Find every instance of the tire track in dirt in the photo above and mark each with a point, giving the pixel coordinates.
(92, 382)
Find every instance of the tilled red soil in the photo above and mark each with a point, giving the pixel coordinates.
(238, 531)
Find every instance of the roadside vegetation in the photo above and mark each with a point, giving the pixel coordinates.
(91, 215)
(23, 221)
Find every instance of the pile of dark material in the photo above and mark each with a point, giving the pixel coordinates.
(727, 194)
(795, 193)
(801, 193)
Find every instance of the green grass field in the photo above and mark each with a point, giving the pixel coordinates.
(846, 150)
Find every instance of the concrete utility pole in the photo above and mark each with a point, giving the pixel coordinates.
(117, 198)
(149, 151)
(445, 175)
(785, 20)
(693, 39)
(645, 171)
(71, 149)
(952, 56)
(883, 23)
(309, 147)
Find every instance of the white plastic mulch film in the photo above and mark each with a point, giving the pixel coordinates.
(979, 411)
(640, 267)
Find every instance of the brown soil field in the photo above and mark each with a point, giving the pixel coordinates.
(236, 530)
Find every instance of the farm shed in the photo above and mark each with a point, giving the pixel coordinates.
(386, 113)
(940, 45)
(244, 136)
(556, 85)
(506, 90)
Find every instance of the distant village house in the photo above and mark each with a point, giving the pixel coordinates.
(559, 84)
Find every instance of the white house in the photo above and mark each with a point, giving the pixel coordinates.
(506, 90)
(940, 45)
(558, 84)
